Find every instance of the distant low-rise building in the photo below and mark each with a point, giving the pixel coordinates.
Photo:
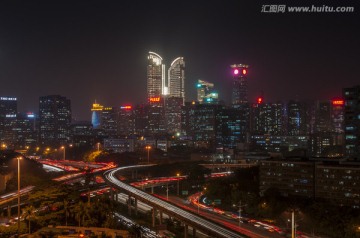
(331, 180)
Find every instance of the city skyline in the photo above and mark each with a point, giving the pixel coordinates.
(89, 51)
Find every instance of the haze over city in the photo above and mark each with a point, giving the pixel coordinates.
(87, 50)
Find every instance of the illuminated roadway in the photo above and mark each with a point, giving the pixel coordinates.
(197, 222)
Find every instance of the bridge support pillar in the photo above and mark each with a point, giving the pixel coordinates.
(8, 211)
(152, 189)
(153, 217)
(117, 196)
(129, 204)
(186, 230)
(194, 232)
(111, 194)
(136, 206)
(161, 217)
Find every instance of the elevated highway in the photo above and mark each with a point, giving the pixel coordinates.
(189, 219)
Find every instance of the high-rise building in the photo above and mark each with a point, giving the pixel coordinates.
(352, 121)
(337, 115)
(297, 118)
(187, 119)
(323, 117)
(231, 128)
(25, 130)
(326, 139)
(109, 119)
(268, 118)
(126, 123)
(240, 89)
(156, 86)
(156, 116)
(54, 120)
(141, 119)
(96, 115)
(205, 125)
(8, 111)
(173, 114)
(176, 79)
(82, 133)
(205, 92)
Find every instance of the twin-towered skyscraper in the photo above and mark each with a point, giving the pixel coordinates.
(158, 85)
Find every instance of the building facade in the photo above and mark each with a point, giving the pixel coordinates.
(352, 121)
(156, 86)
(8, 112)
(240, 88)
(54, 120)
(176, 79)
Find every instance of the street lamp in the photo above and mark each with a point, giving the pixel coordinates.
(3, 146)
(18, 159)
(178, 183)
(63, 148)
(167, 191)
(148, 147)
(240, 206)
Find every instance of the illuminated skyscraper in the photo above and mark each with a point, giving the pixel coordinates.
(240, 90)
(352, 121)
(126, 123)
(176, 78)
(109, 119)
(24, 130)
(173, 114)
(8, 111)
(205, 92)
(55, 119)
(337, 115)
(297, 119)
(268, 118)
(155, 76)
(96, 115)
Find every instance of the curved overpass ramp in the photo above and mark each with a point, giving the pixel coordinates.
(207, 227)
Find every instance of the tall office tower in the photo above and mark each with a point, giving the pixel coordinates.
(204, 91)
(204, 125)
(187, 119)
(156, 116)
(240, 90)
(54, 120)
(141, 119)
(231, 128)
(82, 133)
(326, 138)
(24, 128)
(156, 86)
(173, 114)
(126, 123)
(323, 117)
(337, 115)
(352, 121)
(109, 118)
(176, 79)
(8, 111)
(297, 119)
(268, 118)
(96, 115)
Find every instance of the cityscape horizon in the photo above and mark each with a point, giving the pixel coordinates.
(94, 51)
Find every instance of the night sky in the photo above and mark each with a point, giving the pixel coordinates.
(87, 50)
